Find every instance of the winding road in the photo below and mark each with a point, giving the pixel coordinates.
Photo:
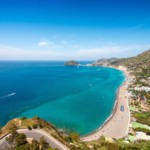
(36, 134)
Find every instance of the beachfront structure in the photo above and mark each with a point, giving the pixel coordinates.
(142, 136)
(143, 88)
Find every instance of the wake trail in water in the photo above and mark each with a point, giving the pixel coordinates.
(8, 95)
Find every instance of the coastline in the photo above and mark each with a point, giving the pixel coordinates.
(117, 124)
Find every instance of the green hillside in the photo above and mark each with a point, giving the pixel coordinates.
(140, 65)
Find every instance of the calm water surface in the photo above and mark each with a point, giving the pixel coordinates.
(77, 99)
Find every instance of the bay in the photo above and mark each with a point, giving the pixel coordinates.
(76, 99)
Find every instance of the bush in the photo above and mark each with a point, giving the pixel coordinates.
(29, 128)
(143, 130)
(74, 136)
(36, 118)
(41, 126)
(68, 139)
(131, 134)
(23, 118)
(34, 126)
(21, 139)
(13, 127)
(112, 146)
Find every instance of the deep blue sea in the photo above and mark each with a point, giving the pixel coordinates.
(76, 99)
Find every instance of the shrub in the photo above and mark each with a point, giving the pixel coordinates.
(74, 136)
(143, 130)
(29, 128)
(34, 126)
(23, 118)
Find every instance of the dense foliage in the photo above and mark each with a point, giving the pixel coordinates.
(142, 117)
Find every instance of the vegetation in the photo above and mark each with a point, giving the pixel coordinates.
(103, 144)
(140, 64)
(33, 123)
(142, 117)
(147, 131)
(18, 141)
(138, 125)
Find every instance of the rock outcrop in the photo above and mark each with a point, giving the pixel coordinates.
(71, 63)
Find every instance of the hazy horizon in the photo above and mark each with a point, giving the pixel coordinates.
(73, 29)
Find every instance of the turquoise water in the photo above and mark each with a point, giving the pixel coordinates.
(77, 99)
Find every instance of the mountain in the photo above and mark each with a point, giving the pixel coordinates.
(137, 63)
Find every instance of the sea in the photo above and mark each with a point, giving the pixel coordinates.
(75, 99)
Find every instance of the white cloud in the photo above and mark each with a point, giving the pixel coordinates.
(48, 44)
(101, 52)
(43, 43)
(11, 53)
(112, 51)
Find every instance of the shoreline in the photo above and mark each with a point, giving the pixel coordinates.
(111, 126)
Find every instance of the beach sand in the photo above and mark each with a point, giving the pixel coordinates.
(117, 125)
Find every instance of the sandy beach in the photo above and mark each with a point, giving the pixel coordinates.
(117, 125)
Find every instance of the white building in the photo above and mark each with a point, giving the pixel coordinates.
(143, 88)
(142, 136)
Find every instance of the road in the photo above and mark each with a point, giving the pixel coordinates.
(36, 134)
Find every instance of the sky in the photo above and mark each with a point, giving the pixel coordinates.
(73, 29)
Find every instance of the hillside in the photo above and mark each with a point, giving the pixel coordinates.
(31, 124)
(141, 61)
(139, 67)
(140, 64)
(138, 90)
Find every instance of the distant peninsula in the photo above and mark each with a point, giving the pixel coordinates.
(71, 63)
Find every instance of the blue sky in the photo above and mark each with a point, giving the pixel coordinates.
(73, 29)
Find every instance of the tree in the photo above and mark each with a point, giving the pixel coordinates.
(13, 127)
(16, 139)
(23, 147)
(29, 128)
(12, 138)
(35, 145)
(21, 139)
(34, 126)
(43, 144)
